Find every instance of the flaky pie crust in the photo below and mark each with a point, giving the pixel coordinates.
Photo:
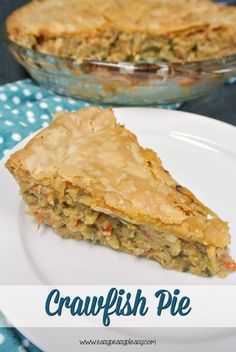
(60, 17)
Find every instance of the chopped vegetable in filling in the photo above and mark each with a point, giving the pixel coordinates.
(188, 45)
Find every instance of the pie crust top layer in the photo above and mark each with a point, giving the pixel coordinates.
(60, 17)
(90, 150)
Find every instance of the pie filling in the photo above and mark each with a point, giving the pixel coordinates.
(67, 212)
(112, 45)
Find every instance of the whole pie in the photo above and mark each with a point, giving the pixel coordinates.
(126, 30)
(88, 178)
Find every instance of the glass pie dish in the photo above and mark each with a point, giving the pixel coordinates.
(125, 83)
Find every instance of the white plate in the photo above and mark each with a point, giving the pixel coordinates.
(199, 152)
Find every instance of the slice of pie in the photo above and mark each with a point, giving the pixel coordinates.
(87, 177)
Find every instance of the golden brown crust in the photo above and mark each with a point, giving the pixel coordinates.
(59, 17)
(121, 30)
(90, 150)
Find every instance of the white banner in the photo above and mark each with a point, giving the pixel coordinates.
(119, 306)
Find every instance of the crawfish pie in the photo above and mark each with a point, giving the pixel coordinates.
(87, 177)
(120, 30)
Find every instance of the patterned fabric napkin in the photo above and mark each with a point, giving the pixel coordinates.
(25, 107)
(11, 340)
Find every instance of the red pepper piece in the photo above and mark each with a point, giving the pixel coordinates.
(108, 228)
(230, 265)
